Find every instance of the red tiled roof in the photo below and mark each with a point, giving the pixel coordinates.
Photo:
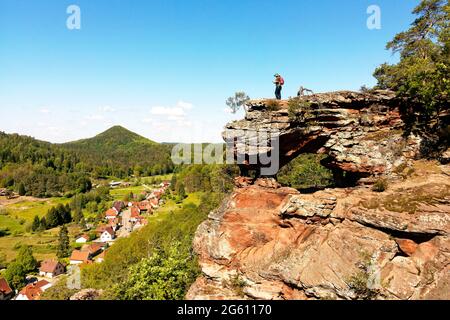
(109, 230)
(135, 212)
(80, 256)
(144, 205)
(101, 229)
(93, 248)
(111, 213)
(48, 266)
(34, 290)
(85, 236)
(4, 287)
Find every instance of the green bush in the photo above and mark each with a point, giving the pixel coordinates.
(4, 232)
(380, 185)
(237, 284)
(165, 275)
(272, 105)
(305, 172)
(360, 281)
(298, 109)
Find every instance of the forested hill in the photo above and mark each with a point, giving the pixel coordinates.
(120, 152)
(42, 169)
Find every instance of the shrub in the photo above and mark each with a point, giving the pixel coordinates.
(305, 172)
(380, 185)
(4, 232)
(272, 105)
(298, 109)
(237, 284)
(360, 281)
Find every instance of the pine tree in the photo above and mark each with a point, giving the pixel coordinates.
(52, 218)
(181, 191)
(63, 244)
(43, 224)
(21, 190)
(78, 216)
(36, 224)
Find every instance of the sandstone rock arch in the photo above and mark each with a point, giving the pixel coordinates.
(362, 133)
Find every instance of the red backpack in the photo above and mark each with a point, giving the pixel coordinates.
(281, 81)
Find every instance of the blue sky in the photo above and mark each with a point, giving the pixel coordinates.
(164, 68)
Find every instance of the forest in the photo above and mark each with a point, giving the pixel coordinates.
(41, 169)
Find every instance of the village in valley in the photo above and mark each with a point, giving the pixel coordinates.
(121, 220)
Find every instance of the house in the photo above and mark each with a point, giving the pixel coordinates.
(51, 269)
(114, 184)
(83, 239)
(144, 206)
(165, 184)
(34, 290)
(111, 214)
(100, 229)
(113, 223)
(108, 235)
(135, 212)
(93, 249)
(6, 293)
(79, 257)
(118, 205)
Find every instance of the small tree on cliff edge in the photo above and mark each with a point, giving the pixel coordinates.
(239, 100)
(422, 73)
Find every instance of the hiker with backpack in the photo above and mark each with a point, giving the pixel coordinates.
(279, 83)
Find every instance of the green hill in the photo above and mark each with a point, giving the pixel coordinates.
(120, 152)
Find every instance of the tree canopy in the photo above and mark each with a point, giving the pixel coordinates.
(422, 74)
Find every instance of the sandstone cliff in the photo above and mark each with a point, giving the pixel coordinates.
(271, 242)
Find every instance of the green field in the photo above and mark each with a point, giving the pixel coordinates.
(171, 206)
(120, 193)
(163, 177)
(43, 244)
(29, 209)
(11, 223)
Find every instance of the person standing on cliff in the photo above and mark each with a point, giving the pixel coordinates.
(279, 83)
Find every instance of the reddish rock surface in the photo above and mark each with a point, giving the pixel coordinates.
(281, 244)
(270, 242)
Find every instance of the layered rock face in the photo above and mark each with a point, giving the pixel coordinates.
(275, 243)
(361, 132)
(272, 242)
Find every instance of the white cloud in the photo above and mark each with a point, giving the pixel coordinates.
(107, 109)
(185, 105)
(165, 111)
(95, 117)
(148, 120)
(227, 110)
(44, 110)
